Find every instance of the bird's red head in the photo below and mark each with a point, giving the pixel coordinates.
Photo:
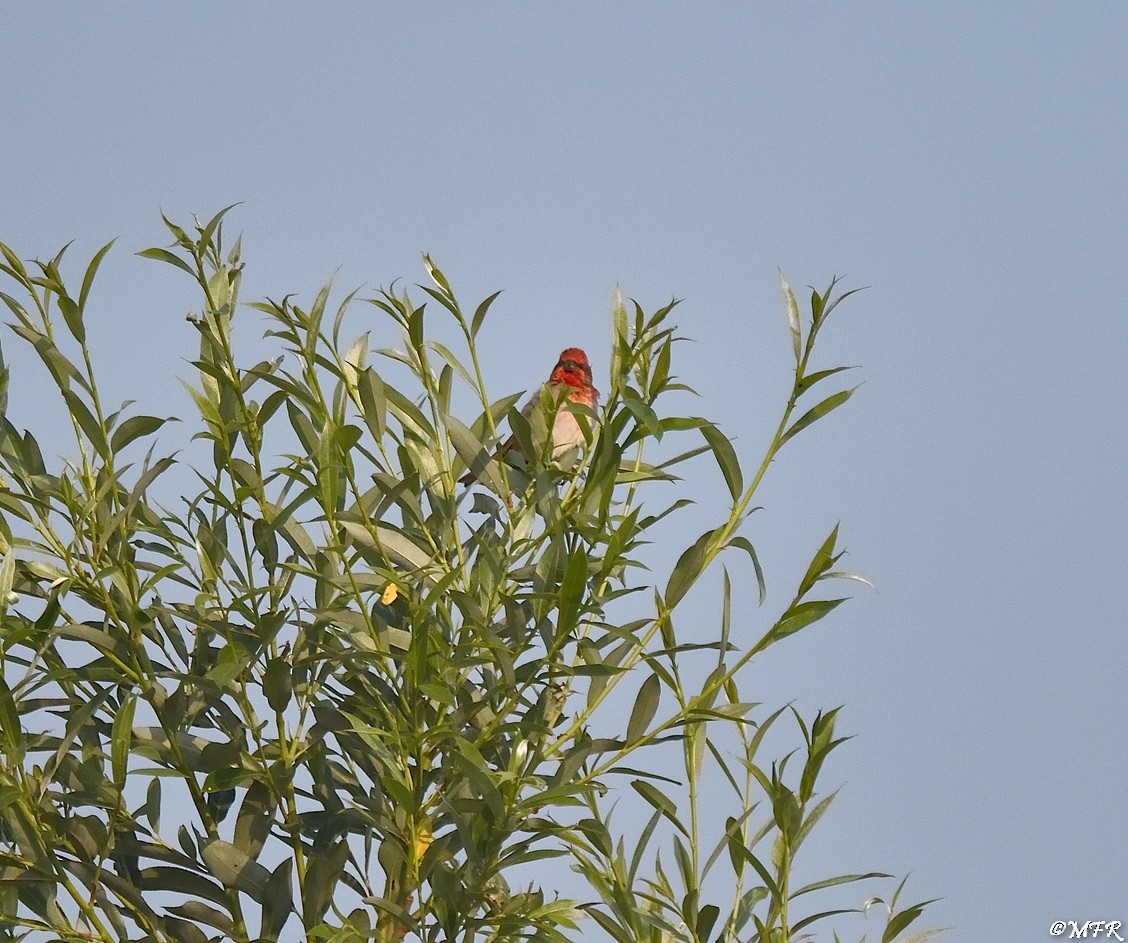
(573, 368)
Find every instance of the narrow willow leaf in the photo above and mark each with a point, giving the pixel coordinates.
(436, 274)
(134, 428)
(163, 255)
(817, 412)
(183, 882)
(846, 575)
(277, 683)
(807, 921)
(706, 918)
(91, 271)
(152, 810)
(820, 563)
(278, 901)
(687, 569)
(322, 876)
(645, 707)
(901, 921)
(90, 426)
(72, 317)
(202, 913)
(184, 931)
(840, 879)
(399, 549)
(726, 458)
(811, 379)
(660, 801)
(208, 230)
(802, 615)
(572, 593)
(466, 444)
(746, 545)
(791, 309)
(256, 814)
(10, 724)
(480, 314)
(121, 739)
(233, 868)
(7, 577)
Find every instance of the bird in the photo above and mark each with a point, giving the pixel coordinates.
(570, 379)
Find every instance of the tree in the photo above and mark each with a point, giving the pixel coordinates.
(324, 698)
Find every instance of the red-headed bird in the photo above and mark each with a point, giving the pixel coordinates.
(570, 379)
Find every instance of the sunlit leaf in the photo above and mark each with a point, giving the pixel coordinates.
(816, 412)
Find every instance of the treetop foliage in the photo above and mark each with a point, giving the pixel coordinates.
(333, 694)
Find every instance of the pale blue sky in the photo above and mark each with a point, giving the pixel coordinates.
(968, 164)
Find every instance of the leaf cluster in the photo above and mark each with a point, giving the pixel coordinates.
(335, 692)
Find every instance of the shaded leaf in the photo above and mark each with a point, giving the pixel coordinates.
(687, 569)
(746, 545)
(122, 739)
(134, 428)
(726, 458)
(645, 707)
(163, 255)
(233, 868)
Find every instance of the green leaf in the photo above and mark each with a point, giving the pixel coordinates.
(184, 931)
(643, 413)
(278, 901)
(687, 569)
(660, 801)
(726, 458)
(10, 725)
(835, 881)
(256, 814)
(72, 316)
(278, 683)
(91, 270)
(802, 615)
(645, 707)
(234, 868)
(466, 445)
(7, 577)
(572, 592)
(807, 921)
(152, 809)
(436, 275)
(746, 545)
(183, 882)
(163, 255)
(90, 426)
(134, 428)
(202, 913)
(901, 921)
(480, 314)
(706, 918)
(374, 405)
(213, 223)
(121, 739)
(398, 548)
(322, 876)
(821, 562)
(811, 379)
(817, 412)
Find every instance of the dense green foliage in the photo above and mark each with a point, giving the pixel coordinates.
(332, 694)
